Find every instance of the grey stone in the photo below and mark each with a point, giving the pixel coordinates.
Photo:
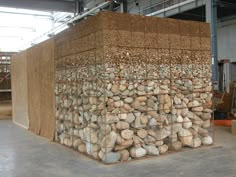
(207, 140)
(109, 141)
(151, 149)
(130, 118)
(128, 100)
(137, 152)
(111, 157)
(152, 122)
(187, 123)
(196, 142)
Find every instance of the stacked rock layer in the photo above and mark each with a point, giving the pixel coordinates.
(134, 90)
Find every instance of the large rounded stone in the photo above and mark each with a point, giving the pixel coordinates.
(159, 143)
(206, 116)
(128, 100)
(127, 134)
(110, 118)
(163, 149)
(76, 143)
(122, 125)
(196, 142)
(152, 122)
(137, 152)
(109, 141)
(142, 133)
(177, 100)
(124, 155)
(141, 98)
(175, 146)
(186, 137)
(105, 128)
(123, 116)
(68, 142)
(195, 103)
(111, 157)
(143, 119)
(82, 148)
(115, 89)
(151, 149)
(162, 133)
(207, 140)
(206, 124)
(173, 137)
(197, 109)
(187, 123)
(141, 88)
(179, 119)
(130, 118)
(118, 104)
(137, 141)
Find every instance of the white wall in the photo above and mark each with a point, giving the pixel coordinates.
(226, 34)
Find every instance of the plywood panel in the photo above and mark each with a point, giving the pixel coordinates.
(19, 89)
(33, 60)
(47, 119)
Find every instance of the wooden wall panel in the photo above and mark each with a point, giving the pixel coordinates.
(47, 117)
(20, 89)
(41, 89)
(33, 89)
(33, 60)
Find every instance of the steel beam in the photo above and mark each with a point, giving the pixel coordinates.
(214, 48)
(125, 6)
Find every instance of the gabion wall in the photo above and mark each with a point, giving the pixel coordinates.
(129, 86)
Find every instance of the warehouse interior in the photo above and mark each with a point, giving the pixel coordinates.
(117, 88)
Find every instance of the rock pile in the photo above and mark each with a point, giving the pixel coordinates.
(119, 119)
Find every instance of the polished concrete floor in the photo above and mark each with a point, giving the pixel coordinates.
(23, 154)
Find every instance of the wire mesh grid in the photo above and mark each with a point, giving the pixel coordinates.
(136, 92)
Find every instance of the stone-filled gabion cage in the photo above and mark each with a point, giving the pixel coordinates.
(130, 86)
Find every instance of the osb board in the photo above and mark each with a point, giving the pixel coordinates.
(47, 118)
(19, 89)
(33, 60)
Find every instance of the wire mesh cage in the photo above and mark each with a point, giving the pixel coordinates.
(5, 75)
(130, 86)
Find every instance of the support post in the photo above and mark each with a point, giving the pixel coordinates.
(211, 17)
(79, 7)
(125, 6)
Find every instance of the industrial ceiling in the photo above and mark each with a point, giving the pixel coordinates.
(43, 5)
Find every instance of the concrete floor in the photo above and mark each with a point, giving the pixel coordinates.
(23, 154)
